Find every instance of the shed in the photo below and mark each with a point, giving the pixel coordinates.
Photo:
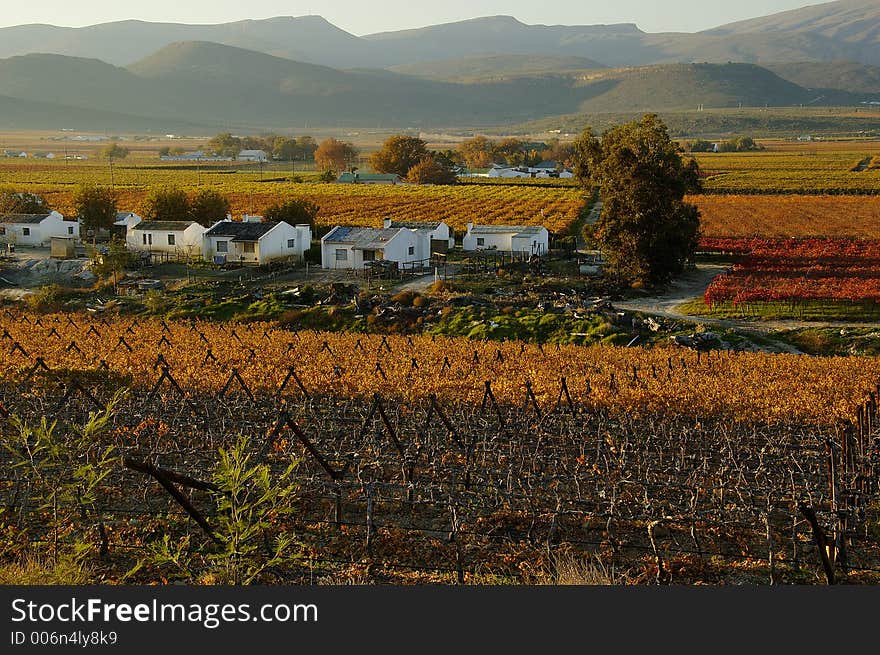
(62, 248)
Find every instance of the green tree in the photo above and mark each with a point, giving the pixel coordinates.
(225, 145)
(477, 152)
(114, 151)
(207, 207)
(95, 206)
(284, 149)
(293, 211)
(511, 151)
(701, 145)
(251, 541)
(399, 154)
(646, 230)
(166, 204)
(306, 147)
(431, 171)
(22, 202)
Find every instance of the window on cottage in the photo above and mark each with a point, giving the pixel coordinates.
(341, 255)
(248, 247)
(291, 243)
(144, 235)
(481, 241)
(26, 231)
(70, 229)
(170, 239)
(222, 246)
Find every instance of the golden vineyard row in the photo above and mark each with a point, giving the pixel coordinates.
(752, 387)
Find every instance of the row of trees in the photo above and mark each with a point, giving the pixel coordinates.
(742, 144)
(482, 152)
(279, 147)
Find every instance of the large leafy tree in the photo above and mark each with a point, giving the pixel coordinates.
(646, 230)
(22, 202)
(114, 151)
(477, 152)
(166, 204)
(335, 155)
(431, 171)
(207, 207)
(95, 206)
(399, 154)
(225, 145)
(293, 211)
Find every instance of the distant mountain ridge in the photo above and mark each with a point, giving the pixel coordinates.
(836, 31)
(289, 73)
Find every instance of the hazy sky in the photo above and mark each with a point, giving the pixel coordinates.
(365, 16)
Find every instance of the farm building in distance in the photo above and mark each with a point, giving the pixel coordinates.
(530, 239)
(183, 238)
(353, 247)
(369, 178)
(252, 155)
(253, 241)
(36, 229)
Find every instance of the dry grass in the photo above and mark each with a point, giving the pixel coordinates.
(35, 570)
(573, 570)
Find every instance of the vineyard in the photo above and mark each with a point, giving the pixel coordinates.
(442, 460)
(745, 216)
(805, 169)
(357, 205)
(796, 270)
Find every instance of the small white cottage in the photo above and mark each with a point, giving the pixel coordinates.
(432, 236)
(183, 238)
(530, 239)
(351, 247)
(36, 229)
(253, 241)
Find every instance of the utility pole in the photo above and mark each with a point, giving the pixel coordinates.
(110, 158)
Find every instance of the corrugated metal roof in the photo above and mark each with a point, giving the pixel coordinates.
(163, 226)
(362, 237)
(516, 230)
(240, 231)
(24, 219)
(417, 225)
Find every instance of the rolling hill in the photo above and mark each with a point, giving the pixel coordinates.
(842, 75)
(208, 84)
(494, 67)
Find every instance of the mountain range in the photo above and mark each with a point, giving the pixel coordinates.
(293, 72)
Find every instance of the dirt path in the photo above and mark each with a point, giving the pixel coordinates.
(692, 285)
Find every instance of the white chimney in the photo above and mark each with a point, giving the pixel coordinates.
(251, 219)
(387, 222)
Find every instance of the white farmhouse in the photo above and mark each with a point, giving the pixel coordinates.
(432, 236)
(351, 247)
(36, 229)
(182, 238)
(252, 155)
(530, 239)
(508, 172)
(126, 220)
(253, 241)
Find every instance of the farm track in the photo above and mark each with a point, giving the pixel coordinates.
(692, 284)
